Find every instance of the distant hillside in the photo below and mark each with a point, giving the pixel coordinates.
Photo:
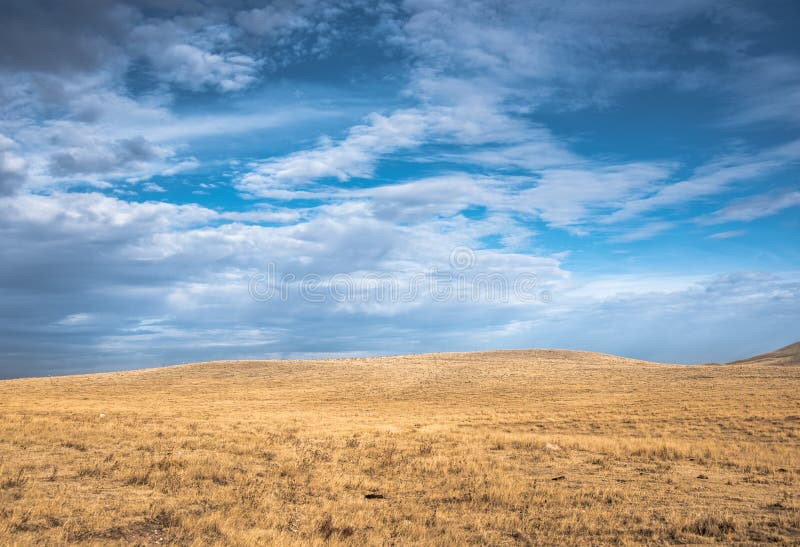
(789, 355)
(523, 447)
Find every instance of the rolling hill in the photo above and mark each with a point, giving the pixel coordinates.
(507, 447)
(789, 355)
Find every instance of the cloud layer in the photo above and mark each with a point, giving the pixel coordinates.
(636, 163)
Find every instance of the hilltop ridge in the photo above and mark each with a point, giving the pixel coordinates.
(785, 356)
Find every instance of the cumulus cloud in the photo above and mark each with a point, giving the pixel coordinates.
(96, 215)
(190, 54)
(428, 198)
(124, 155)
(175, 260)
(188, 47)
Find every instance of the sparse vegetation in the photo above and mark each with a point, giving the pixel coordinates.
(497, 448)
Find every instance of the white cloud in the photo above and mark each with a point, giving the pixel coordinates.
(755, 207)
(728, 234)
(711, 179)
(539, 151)
(427, 198)
(272, 20)
(193, 56)
(540, 52)
(573, 197)
(475, 122)
(97, 215)
(646, 231)
(152, 187)
(196, 126)
(354, 156)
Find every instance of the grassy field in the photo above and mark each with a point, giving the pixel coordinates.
(498, 448)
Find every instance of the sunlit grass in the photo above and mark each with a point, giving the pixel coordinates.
(498, 448)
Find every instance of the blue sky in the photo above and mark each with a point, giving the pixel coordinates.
(637, 161)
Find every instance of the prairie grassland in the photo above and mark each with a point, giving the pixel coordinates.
(498, 448)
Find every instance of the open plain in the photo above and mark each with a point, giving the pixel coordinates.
(511, 447)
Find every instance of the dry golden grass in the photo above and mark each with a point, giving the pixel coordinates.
(494, 448)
